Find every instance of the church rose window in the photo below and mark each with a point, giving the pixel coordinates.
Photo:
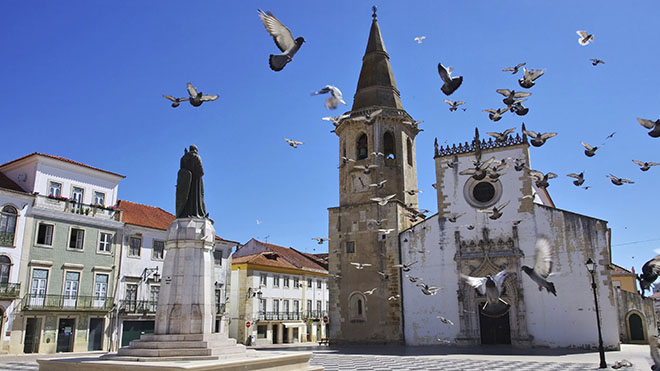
(483, 192)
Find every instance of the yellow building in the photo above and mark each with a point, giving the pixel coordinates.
(623, 278)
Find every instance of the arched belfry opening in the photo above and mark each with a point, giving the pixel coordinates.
(389, 149)
(362, 147)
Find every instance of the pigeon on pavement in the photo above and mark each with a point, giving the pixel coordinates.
(450, 83)
(542, 266)
(283, 39)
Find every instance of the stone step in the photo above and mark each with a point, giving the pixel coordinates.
(165, 352)
(163, 359)
(185, 337)
(142, 344)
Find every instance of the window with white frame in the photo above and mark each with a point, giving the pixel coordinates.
(217, 257)
(262, 279)
(54, 189)
(5, 267)
(296, 282)
(309, 282)
(318, 284)
(262, 305)
(105, 242)
(285, 306)
(276, 281)
(101, 286)
(99, 198)
(77, 238)
(8, 215)
(309, 306)
(158, 250)
(45, 234)
(276, 306)
(318, 306)
(134, 246)
(286, 281)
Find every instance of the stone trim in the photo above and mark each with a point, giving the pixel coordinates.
(41, 263)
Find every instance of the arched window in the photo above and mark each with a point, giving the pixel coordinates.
(388, 145)
(636, 327)
(362, 147)
(5, 265)
(357, 307)
(8, 216)
(409, 151)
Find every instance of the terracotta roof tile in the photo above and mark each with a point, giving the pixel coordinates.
(7, 183)
(261, 259)
(292, 256)
(61, 159)
(145, 216)
(618, 270)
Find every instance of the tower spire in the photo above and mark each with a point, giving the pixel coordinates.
(376, 85)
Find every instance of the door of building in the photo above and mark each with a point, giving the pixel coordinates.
(96, 326)
(494, 329)
(65, 334)
(132, 330)
(275, 327)
(32, 335)
(635, 323)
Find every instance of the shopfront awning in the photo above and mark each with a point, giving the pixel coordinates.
(294, 324)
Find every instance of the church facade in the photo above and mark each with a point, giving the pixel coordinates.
(373, 298)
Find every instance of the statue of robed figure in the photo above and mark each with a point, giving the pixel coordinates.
(190, 187)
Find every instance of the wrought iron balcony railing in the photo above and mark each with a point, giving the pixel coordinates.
(314, 314)
(10, 290)
(6, 238)
(219, 308)
(138, 306)
(280, 316)
(66, 302)
(71, 206)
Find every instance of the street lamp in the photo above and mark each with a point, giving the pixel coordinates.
(591, 267)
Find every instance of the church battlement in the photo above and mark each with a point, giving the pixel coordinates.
(471, 147)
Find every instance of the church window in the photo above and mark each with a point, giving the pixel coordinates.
(388, 146)
(357, 304)
(483, 192)
(350, 247)
(409, 151)
(359, 307)
(362, 147)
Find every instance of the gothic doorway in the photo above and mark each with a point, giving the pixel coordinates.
(495, 330)
(636, 327)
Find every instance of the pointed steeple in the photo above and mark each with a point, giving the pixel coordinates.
(376, 86)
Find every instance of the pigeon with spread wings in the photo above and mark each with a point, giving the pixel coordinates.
(175, 101)
(653, 125)
(491, 286)
(283, 39)
(495, 212)
(453, 105)
(542, 266)
(197, 98)
(450, 83)
(514, 69)
(650, 272)
(529, 76)
(335, 96)
(645, 166)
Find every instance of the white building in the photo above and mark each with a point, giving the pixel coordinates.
(278, 295)
(15, 205)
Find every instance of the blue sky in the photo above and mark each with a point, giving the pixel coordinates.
(83, 80)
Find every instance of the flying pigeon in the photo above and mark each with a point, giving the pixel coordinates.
(369, 118)
(445, 320)
(175, 101)
(361, 265)
(412, 192)
(589, 151)
(619, 181)
(586, 188)
(413, 279)
(336, 120)
(293, 143)
(386, 231)
(496, 212)
(501, 137)
(610, 136)
(365, 168)
(494, 171)
(384, 275)
(283, 39)
(645, 166)
(453, 217)
(653, 125)
(650, 272)
(514, 70)
(496, 114)
(376, 154)
(450, 83)
(428, 290)
(527, 81)
(377, 222)
(542, 266)
(453, 105)
(369, 292)
(479, 171)
(585, 37)
(335, 275)
(412, 123)
(197, 98)
(382, 201)
(419, 39)
(320, 240)
(579, 178)
(345, 160)
(378, 185)
(394, 297)
(519, 164)
(469, 227)
(540, 179)
(489, 286)
(335, 96)
(596, 61)
(518, 108)
(512, 95)
(404, 267)
(538, 139)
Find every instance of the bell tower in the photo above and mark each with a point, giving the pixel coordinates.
(377, 160)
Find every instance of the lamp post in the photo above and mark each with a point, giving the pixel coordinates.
(591, 267)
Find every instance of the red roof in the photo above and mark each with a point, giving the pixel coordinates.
(145, 216)
(262, 259)
(293, 257)
(618, 270)
(61, 159)
(7, 183)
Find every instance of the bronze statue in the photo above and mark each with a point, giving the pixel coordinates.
(190, 187)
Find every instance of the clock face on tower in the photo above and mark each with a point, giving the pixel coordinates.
(361, 182)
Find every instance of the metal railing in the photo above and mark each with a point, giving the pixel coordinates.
(219, 308)
(65, 302)
(71, 206)
(280, 316)
(138, 306)
(10, 290)
(315, 314)
(6, 238)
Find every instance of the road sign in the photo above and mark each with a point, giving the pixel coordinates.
(325, 319)
(247, 324)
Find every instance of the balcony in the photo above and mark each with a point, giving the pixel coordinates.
(62, 204)
(280, 316)
(138, 306)
(6, 238)
(67, 303)
(315, 314)
(9, 290)
(219, 308)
